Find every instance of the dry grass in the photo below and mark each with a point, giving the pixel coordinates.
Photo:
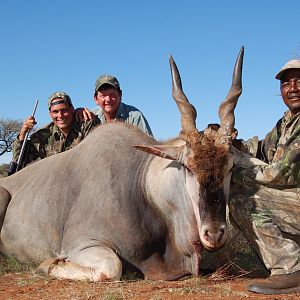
(221, 284)
(11, 265)
(229, 271)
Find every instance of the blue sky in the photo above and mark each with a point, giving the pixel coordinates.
(65, 45)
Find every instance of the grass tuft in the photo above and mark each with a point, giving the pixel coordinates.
(116, 294)
(12, 265)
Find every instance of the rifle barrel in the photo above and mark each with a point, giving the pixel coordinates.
(25, 139)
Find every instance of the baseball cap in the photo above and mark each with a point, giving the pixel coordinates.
(65, 98)
(291, 64)
(107, 79)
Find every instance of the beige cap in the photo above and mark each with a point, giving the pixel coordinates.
(291, 64)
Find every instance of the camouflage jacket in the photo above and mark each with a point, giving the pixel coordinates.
(128, 114)
(49, 140)
(280, 149)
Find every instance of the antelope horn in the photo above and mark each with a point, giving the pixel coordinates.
(187, 110)
(226, 110)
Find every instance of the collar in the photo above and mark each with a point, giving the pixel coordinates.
(121, 114)
(289, 117)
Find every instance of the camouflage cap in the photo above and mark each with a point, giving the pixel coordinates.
(107, 79)
(291, 64)
(60, 95)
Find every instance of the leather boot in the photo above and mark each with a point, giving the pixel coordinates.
(276, 284)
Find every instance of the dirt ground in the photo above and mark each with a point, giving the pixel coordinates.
(217, 285)
(17, 286)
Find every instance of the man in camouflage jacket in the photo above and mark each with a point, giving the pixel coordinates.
(265, 199)
(63, 133)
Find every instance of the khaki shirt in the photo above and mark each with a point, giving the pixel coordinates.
(128, 114)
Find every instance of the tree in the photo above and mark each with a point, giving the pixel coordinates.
(9, 130)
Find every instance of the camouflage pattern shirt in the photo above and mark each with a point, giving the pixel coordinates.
(128, 114)
(280, 150)
(49, 140)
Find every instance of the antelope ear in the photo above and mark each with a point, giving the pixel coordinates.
(168, 152)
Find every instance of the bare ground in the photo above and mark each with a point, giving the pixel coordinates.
(32, 286)
(228, 282)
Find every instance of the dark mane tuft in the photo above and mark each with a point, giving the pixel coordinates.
(207, 161)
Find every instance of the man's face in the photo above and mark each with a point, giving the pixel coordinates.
(109, 100)
(62, 115)
(290, 89)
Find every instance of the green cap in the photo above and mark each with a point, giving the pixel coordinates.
(291, 64)
(107, 79)
(65, 98)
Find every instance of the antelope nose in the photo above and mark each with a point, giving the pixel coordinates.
(214, 235)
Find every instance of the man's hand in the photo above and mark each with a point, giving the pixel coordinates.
(27, 125)
(83, 114)
(214, 127)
